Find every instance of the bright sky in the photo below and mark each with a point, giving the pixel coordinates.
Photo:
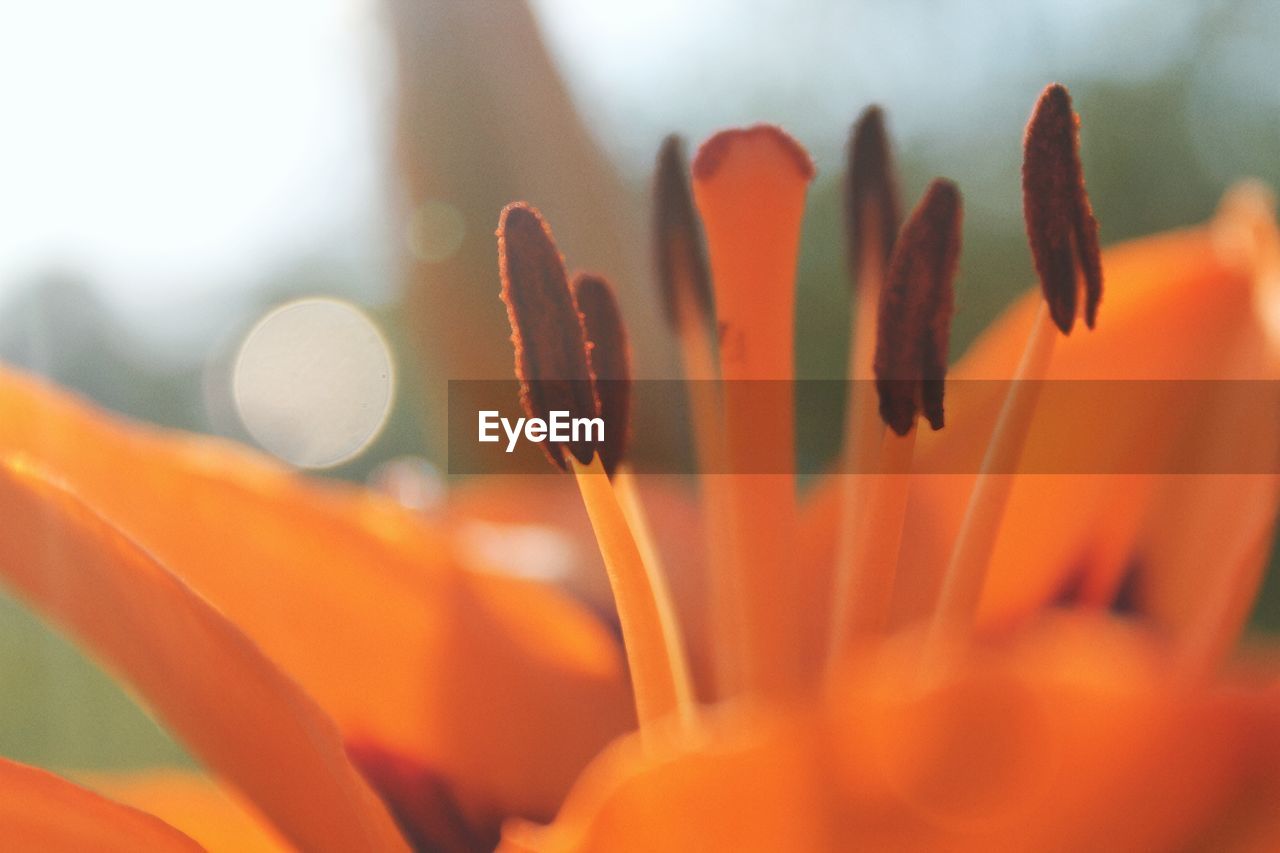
(179, 153)
(172, 149)
(936, 63)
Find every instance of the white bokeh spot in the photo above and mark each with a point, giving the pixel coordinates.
(313, 382)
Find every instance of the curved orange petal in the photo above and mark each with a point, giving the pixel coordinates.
(205, 680)
(498, 684)
(1071, 741)
(195, 804)
(41, 811)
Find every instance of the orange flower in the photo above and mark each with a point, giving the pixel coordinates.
(1022, 660)
(354, 674)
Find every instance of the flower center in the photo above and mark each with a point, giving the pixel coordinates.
(749, 187)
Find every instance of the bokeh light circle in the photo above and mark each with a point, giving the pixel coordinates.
(313, 382)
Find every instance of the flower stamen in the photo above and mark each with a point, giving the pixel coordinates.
(681, 260)
(873, 214)
(685, 282)
(873, 210)
(1061, 228)
(551, 337)
(913, 335)
(914, 320)
(546, 328)
(610, 360)
(1061, 231)
(966, 571)
(659, 674)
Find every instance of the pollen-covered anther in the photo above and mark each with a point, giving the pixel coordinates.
(1061, 228)
(914, 323)
(681, 259)
(610, 358)
(873, 210)
(546, 327)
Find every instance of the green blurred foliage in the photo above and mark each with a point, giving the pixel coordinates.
(59, 710)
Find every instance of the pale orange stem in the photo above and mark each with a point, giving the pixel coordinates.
(725, 600)
(659, 676)
(861, 440)
(873, 560)
(624, 485)
(966, 572)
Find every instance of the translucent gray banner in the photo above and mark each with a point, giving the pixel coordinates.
(1080, 427)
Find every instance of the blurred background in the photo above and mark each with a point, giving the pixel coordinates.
(194, 193)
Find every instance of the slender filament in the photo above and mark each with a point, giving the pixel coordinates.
(967, 569)
(659, 675)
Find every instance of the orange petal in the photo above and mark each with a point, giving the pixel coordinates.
(1178, 307)
(1070, 741)
(40, 811)
(205, 680)
(498, 684)
(195, 804)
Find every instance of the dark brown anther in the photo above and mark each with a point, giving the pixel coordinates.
(546, 328)
(873, 211)
(610, 359)
(913, 331)
(681, 259)
(1060, 224)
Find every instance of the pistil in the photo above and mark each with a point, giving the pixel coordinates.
(750, 187)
